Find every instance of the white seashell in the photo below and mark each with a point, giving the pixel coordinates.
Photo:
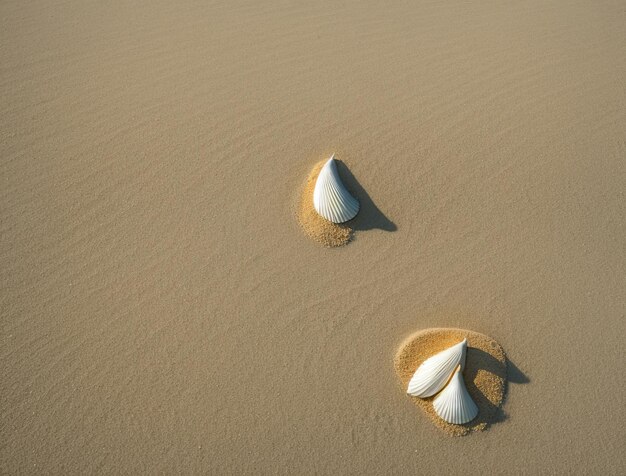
(454, 404)
(331, 199)
(432, 375)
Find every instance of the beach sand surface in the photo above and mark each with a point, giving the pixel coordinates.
(161, 311)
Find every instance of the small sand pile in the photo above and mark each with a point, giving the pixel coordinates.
(318, 228)
(484, 374)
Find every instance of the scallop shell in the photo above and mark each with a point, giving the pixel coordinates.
(433, 374)
(331, 199)
(454, 404)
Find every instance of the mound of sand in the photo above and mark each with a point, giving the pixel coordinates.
(318, 228)
(485, 373)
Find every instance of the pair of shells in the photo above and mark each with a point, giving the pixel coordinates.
(454, 404)
(331, 199)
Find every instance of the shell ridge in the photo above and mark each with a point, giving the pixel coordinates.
(433, 374)
(334, 200)
(330, 204)
(331, 199)
(454, 404)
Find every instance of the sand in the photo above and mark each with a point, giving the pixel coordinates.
(484, 374)
(161, 309)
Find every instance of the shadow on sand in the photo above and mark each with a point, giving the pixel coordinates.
(478, 359)
(369, 217)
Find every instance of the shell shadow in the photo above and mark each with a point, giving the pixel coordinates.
(514, 374)
(369, 217)
(480, 361)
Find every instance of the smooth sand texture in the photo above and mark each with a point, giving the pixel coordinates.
(317, 228)
(161, 310)
(484, 373)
